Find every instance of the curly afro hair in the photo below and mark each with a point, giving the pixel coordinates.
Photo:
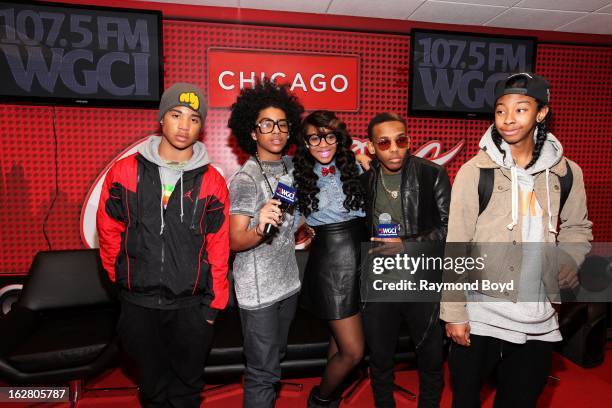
(251, 101)
(304, 162)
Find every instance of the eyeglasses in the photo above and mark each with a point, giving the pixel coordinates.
(401, 142)
(267, 125)
(316, 138)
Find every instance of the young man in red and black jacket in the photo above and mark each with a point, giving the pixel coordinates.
(163, 229)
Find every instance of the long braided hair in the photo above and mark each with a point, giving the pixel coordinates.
(520, 81)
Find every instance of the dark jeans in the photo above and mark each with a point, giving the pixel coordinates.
(265, 334)
(522, 371)
(381, 325)
(168, 349)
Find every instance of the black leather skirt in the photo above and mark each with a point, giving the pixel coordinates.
(331, 280)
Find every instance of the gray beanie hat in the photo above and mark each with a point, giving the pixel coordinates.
(183, 94)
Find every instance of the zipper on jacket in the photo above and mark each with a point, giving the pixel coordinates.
(163, 255)
(195, 210)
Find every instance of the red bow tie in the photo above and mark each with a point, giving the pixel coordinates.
(328, 170)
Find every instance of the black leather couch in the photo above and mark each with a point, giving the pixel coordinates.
(62, 328)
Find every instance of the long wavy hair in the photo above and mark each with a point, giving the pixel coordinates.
(520, 81)
(305, 177)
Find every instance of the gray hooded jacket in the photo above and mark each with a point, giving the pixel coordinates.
(171, 172)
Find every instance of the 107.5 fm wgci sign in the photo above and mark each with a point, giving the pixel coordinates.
(80, 54)
(454, 74)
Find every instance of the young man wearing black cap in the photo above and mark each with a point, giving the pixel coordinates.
(163, 229)
(511, 333)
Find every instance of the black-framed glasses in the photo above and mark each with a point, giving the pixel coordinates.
(316, 138)
(266, 125)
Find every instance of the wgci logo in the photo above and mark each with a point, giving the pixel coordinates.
(285, 193)
(387, 231)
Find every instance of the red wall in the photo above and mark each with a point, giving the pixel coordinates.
(88, 138)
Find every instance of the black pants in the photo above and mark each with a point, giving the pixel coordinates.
(168, 349)
(265, 334)
(381, 325)
(522, 371)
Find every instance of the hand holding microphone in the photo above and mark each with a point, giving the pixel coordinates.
(386, 228)
(388, 234)
(283, 202)
(270, 215)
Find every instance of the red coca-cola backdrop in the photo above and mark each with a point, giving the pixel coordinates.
(52, 156)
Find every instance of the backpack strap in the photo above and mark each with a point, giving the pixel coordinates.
(566, 183)
(485, 189)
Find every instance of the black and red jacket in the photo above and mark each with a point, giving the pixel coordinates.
(182, 265)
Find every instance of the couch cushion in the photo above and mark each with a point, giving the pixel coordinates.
(65, 339)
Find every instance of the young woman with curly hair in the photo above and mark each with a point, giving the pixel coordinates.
(264, 120)
(331, 199)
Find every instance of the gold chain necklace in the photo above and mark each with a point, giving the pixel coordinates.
(392, 193)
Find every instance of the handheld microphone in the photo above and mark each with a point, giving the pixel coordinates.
(286, 194)
(386, 228)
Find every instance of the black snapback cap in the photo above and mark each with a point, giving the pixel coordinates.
(535, 86)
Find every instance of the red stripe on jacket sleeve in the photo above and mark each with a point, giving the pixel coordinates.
(110, 229)
(217, 243)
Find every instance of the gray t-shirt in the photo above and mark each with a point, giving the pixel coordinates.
(268, 272)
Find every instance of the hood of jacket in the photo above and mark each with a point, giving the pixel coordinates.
(550, 155)
(169, 172)
(150, 151)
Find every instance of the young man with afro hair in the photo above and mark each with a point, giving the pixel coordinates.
(264, 121)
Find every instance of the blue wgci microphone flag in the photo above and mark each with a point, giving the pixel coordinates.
(386, 228)
(285, 193)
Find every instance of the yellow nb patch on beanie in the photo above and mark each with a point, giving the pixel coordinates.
(191, 99)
